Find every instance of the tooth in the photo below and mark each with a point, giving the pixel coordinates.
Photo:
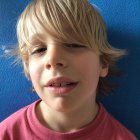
(60, 85)
(54, 85)
(64, 84)
(57, 85)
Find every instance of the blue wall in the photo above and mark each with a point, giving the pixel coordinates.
(123, 24)
(15, 90)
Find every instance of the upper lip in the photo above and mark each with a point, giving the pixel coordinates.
(60, 80)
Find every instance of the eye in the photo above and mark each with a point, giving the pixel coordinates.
(74, 46)
(38, 51)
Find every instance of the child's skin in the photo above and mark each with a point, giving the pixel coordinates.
(73, 105)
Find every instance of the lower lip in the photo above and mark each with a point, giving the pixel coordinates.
(61, 90)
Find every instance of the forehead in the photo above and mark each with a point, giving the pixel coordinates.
(36, 38)
(39, 27)
(66, 35)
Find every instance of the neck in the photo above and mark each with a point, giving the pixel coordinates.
(66, 121)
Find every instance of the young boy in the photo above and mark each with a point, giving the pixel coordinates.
(65, 53)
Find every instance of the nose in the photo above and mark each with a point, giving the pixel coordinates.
(55, 57)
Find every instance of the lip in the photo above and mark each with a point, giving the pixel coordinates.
(54, 85)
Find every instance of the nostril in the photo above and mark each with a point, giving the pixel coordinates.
(55, 62)
(48, 66)
(59, 64)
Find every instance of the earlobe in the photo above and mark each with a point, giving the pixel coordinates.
(104, 72)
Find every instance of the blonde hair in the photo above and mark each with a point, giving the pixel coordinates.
(61, 19)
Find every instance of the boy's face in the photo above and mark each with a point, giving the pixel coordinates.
(65, 76)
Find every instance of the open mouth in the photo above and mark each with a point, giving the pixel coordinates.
(61, 89)
(61, 84)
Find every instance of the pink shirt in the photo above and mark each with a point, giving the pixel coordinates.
(24, 125)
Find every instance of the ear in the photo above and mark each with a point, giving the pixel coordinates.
(104, 71)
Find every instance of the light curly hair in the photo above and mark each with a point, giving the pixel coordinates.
(70, 21)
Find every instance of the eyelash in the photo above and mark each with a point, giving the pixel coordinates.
(41, 50)
(74, 46)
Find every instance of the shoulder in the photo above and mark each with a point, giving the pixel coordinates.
(21, 113)
(118, 131)
(15, 116)
(16, 121)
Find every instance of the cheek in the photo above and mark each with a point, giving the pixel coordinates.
(90, 73)
(34, 71)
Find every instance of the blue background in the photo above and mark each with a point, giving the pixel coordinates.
(123, 25)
